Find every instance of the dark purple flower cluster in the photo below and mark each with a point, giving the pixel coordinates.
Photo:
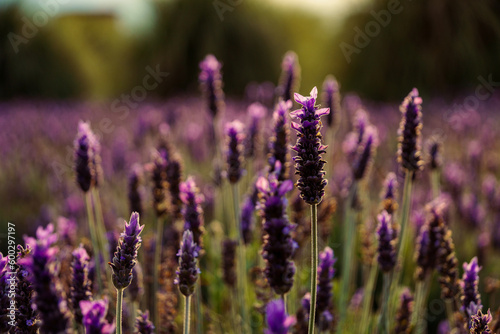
(326, 271)
(26, 315)
(409, 155)
(403, 317)
(43, 275)
(279, 147)
(192, 210)
(247, 219)
(136, 287)
(279, 247)
(234, 156)
(479, 323)
(188, 271)
(4, 300)
(471, 299)
(143, 325)
(94, 317)
(331, 100)
(290, 76)
(434, 153)
(134, 194)
(386, 242)
(365, 153)
(174, 177)
(81, 285)
(257, 112)
(125, 255)
(278, 322)
(160, 185)
(308, 161)
(211, 83)
(389, 195)
(228, 261)
(87, 159)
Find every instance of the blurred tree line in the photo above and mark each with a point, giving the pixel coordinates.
(439, 46)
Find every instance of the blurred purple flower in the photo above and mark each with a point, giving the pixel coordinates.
(470, 288)
(235, 136)
(290, 76)
(143, 325)
(256, 112)
(192, 210)
(409, 155)
(188, 271)
(94, 317)
(211, 84)
(279, 146)
(331, 100)
(81, 287)
(278, 322)
(386, 242)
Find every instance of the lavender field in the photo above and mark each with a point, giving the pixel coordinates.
(287, 211)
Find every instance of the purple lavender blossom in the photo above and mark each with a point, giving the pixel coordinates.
(188, 271)
(94, 317)
(409, 155)
(290, 76)
(278, 322)
(159, 178)
(235, 137)
(134, 194)
(43, 275)
(403, 317)
(257, 112)
(435, 160)
(470, 282)
(331, 100)
(211, 84)
(81, 285)
(192, 210)
(279, 147)
(125, 256)
(85, 142)
(308, 162)
(389, 195)
(479, 323)
(247, 219)
(326, 272)
(136, 287)
(365, 153)
(4, 300)
(67, 230)
(279, 247)
(26, 315)
(143, 325)
(386, 242)
(174, 177)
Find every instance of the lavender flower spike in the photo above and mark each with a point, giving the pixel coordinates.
(4, 300)
(290, 76)
(192, 211)
(279, 247)
(43, 275)
(81, 285)
(386, 242)
(188, 271)
(331, 100)
(278, 322)
(403, 317)
(279, 147)
(134, 194)
(325, 285)
(389, 196)
(94, 317)
(470, 282)
(26, 315)
(235, 137)
(257, 112)
(365, 153)
(143, 325)
(211, 83)
(126, 253)
(308, 162)
(85, 143)
(409, 155)
(479, 323)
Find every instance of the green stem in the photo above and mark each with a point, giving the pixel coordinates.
(119, 299)
(314, 265)
(349, 232)
(134, 314)
(101, 228)
(435, 183)
(157, 259)
(93, 238)
(368, 296)
(421, 294)
(187, 314)
(283, 296)
(199, 313)
(403, 240)
(450, 312)
(241, 277)
(384, 316)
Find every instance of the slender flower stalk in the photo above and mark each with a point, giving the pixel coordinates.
(309, 167)
(187, 273)
(278, 322)
(124, 261)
